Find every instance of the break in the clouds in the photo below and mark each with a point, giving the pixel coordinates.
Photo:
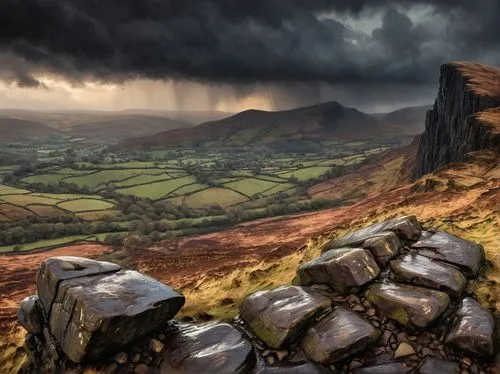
(354, 44)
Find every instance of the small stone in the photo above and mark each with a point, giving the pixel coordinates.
(353, 299)
(161, 337)
(384, 338)
(371, 312)
(394, 346)
(280, 355)
(404, 350)
(467, 361)
(358, 308)
(121, 358)
(375, 323)
(427, 352)
(355, 364)
(270, 360)
(402, 337)
(266, 353)
(111, 368)
(142, 369)
(136, 358)
(156, 345)
(412, 338)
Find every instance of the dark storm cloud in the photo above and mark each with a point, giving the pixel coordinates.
(241, 41)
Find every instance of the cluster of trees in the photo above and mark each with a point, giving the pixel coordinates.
(32, 229)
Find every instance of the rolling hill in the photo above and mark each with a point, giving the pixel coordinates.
(315, 123)
(13, 129)
(94, 126)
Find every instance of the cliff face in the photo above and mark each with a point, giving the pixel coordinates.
(465, 117)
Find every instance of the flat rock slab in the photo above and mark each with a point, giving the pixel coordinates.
(279, 316)
(56, 269)
(446, 247)
(212, 348)
(390, 368)
(339, 335)
(473, 331)
(383, 246)
(422, 271)
(437, 366)
(94, 315)
(340, 268)
(408, 305)
(407, 228)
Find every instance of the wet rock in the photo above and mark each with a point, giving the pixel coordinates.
(403, 350)
(383, 246)
(437, 366)
(340, 268)
(446, 247)
(407, 228)
(279, 316)
(389, 368)
(211, 348)
(121, 358)
(30, 314)
(338, 336)
(93, 315)
(156, 346)
(422, 271)
(57, 269)
(473, 330)
(409, 305)
(301, 368)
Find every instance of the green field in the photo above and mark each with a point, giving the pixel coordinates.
(85, 205)
(156, 191)
(306, 173)
(211, 196)
(24, 200)
(250, 186)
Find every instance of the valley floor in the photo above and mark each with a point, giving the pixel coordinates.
(216, 270)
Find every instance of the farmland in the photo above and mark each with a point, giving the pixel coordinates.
(159, 193)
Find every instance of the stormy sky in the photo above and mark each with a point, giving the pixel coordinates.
(232, 54)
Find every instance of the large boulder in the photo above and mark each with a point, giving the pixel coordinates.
(340, 268)
(93, 315)
(383, 246)
(279, 316)
(338, 336)
(388, 368)
(422, 271)
(213, 348)
(473, 331)
(57, 269)
(446, 247)
(289, 368)
(408, 305)
(407, 228)
(30, 314)
(437, 366)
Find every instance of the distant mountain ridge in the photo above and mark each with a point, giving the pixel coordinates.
(317, 122)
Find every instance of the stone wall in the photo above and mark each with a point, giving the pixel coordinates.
(452, 128)
(390, 298)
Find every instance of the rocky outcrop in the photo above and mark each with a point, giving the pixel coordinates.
(457, 125)
(341, 269)
(413, 314)
(473, 330)
(279, 316)
(407, 304)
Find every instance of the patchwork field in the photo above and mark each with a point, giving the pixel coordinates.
(18, 203)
